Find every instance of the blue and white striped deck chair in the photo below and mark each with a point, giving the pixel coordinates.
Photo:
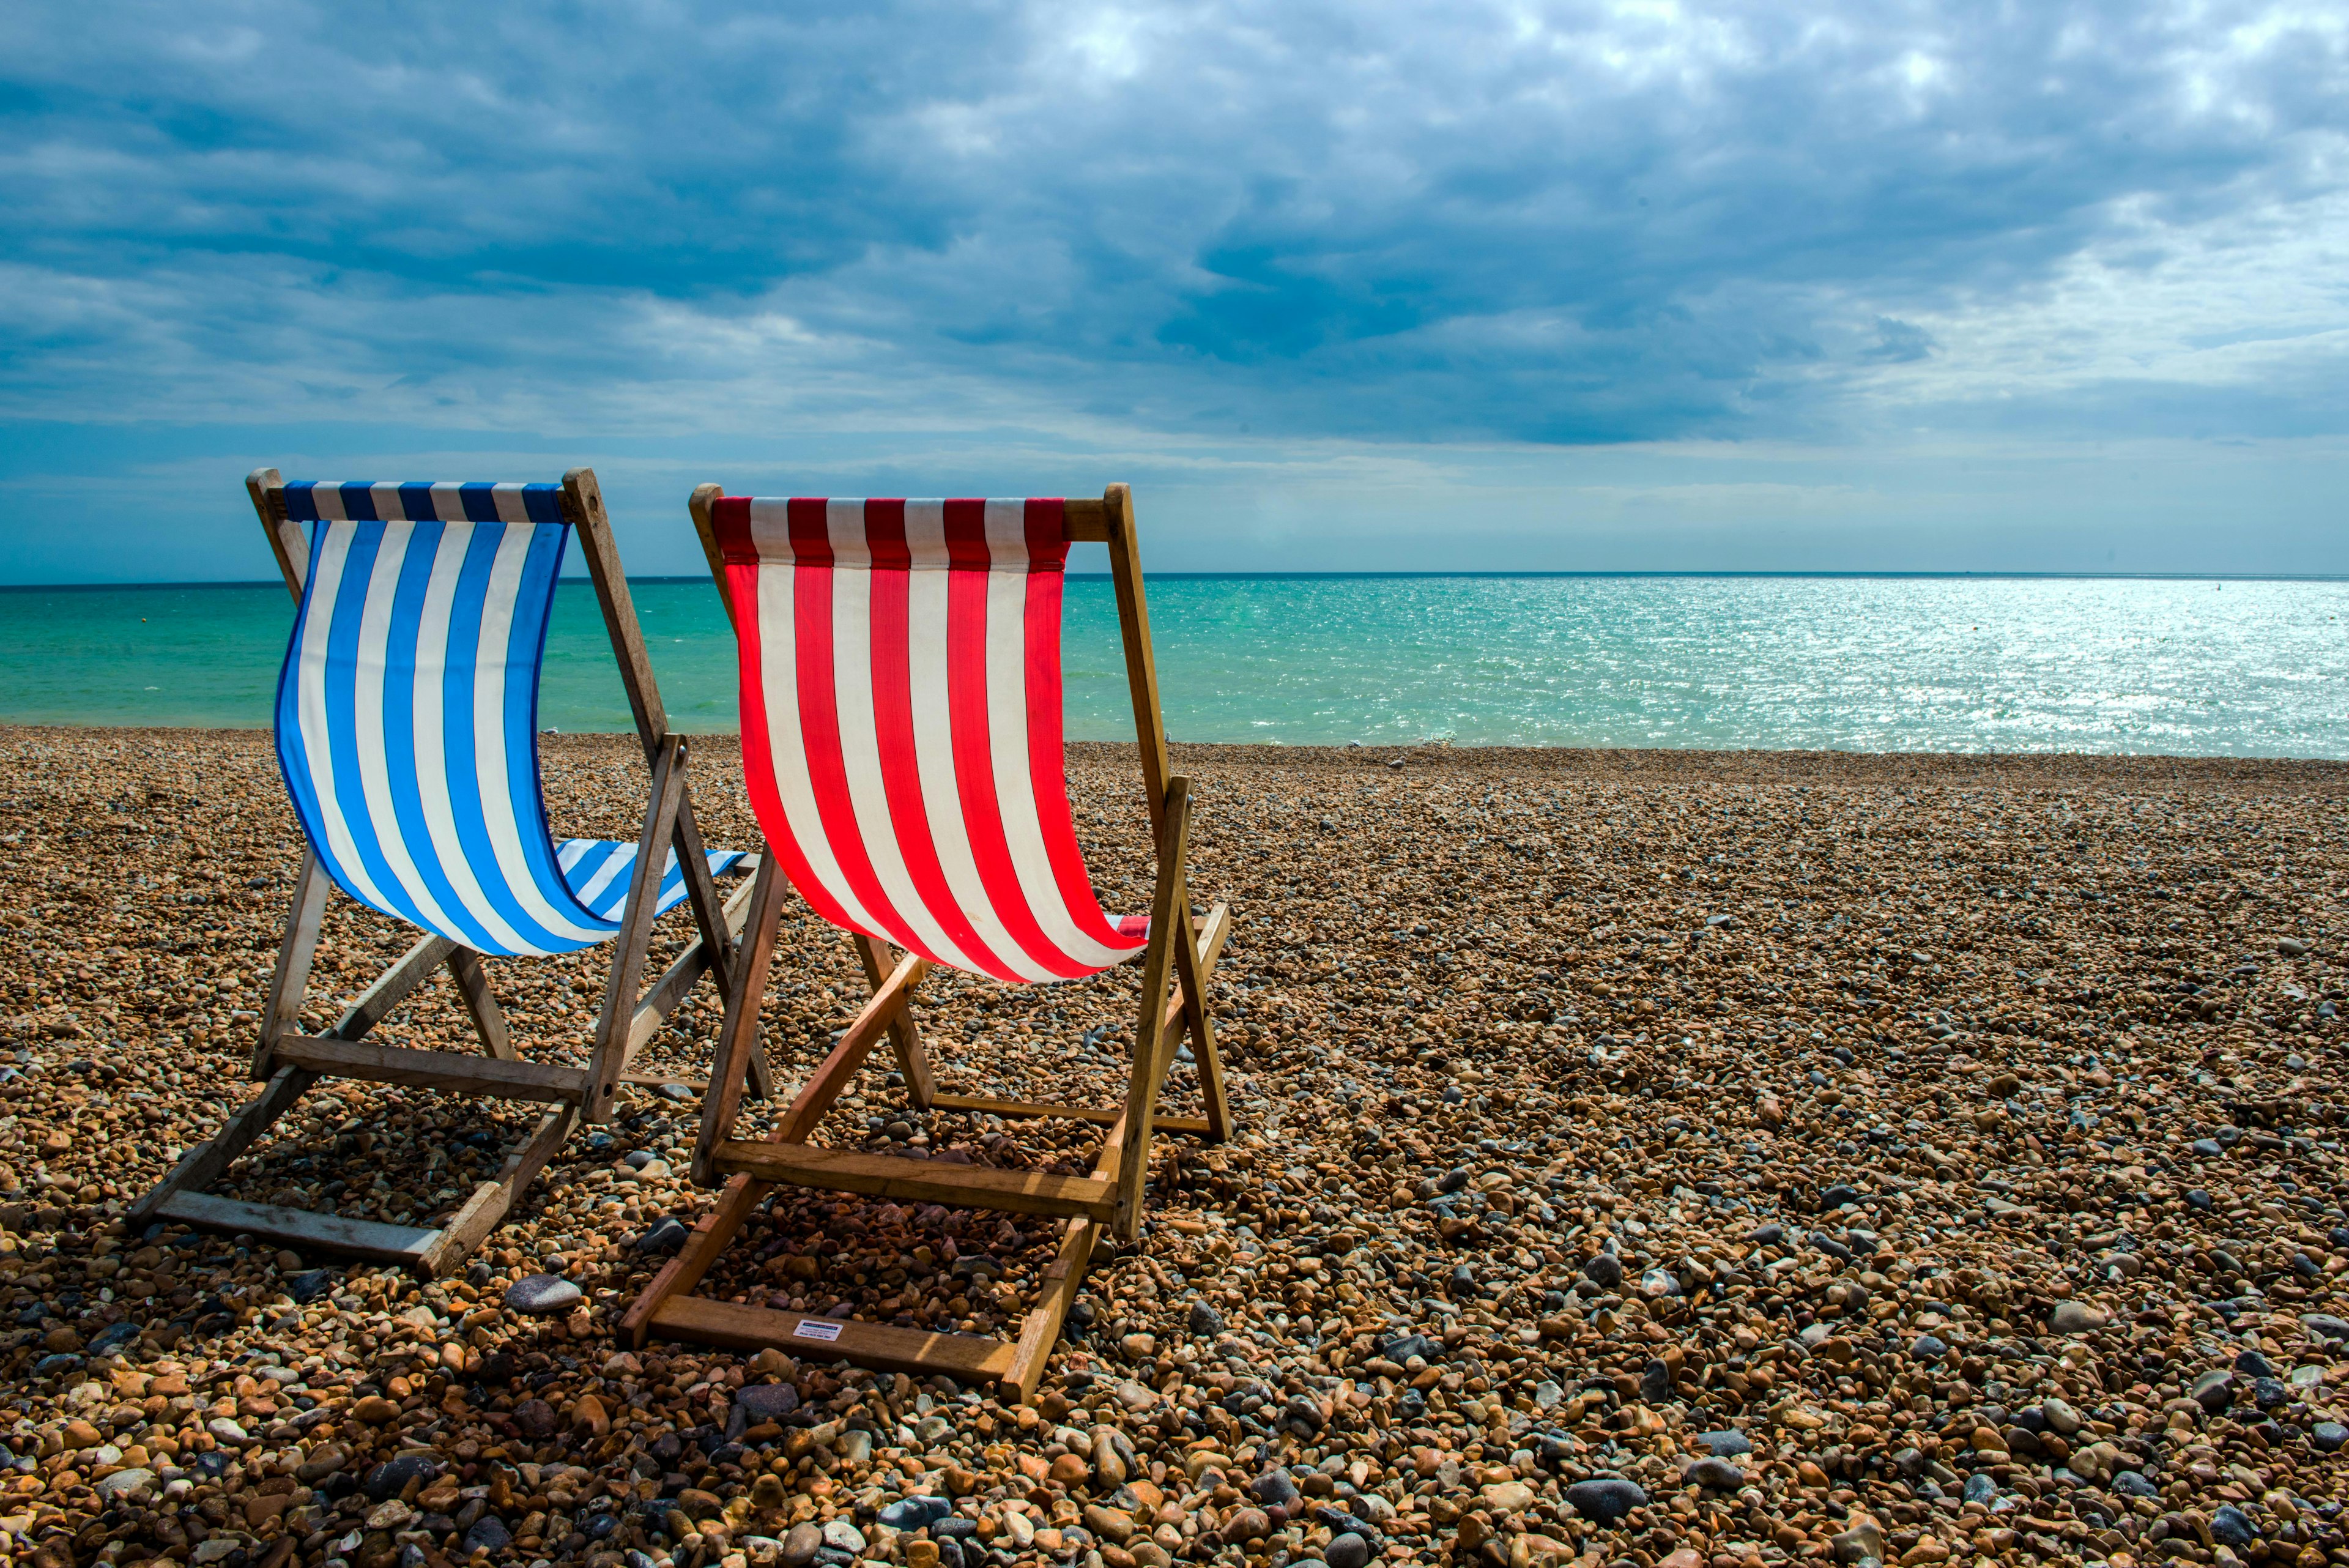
(406, 729)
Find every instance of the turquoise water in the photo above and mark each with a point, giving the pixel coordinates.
(1980, 664)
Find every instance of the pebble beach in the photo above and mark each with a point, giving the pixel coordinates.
(1648, 1160)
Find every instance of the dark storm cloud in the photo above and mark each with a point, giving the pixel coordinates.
(1556, 222)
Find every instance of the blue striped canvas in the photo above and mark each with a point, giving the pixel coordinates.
(407, 716)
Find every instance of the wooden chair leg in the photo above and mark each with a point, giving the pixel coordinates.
(737, 1035)
(613, 1025)
(494, 1199)
(1167, 920)
(472, 978)
(391, 987)
(677, 1277)
(291, 982)
(912, 1060)
(702, 893)
(1192, 973)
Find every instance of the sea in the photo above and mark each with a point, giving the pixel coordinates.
(1871, 663)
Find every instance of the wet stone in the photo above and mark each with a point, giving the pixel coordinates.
(488, 1533)
(389, 1479)
(2229, 1526)
(2214, 1391)
(311, 1284)
(914, 1512)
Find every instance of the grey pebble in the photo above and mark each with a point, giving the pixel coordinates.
(667, 1235)
(540, 1296)
(2325, 1328)
(113, 1486)
(1606, 1500)
(766, 1401)
(2230, 1526)
(2069, 1317)
(488, 1533)
(1719, 1475)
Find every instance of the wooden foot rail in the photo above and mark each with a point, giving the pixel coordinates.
(402, 1244)
(969, 1357)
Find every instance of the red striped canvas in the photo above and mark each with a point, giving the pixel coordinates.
(901, 726)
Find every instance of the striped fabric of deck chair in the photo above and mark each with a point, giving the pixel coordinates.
(900, 680)
(406, 729)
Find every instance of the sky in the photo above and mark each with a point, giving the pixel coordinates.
(1842, 285)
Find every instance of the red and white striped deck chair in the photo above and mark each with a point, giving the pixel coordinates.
(900, 665)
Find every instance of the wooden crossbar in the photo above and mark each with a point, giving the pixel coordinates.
(1100, 1115)
(918, 1181)
(488, 1076)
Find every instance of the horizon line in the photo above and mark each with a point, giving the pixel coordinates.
(1994, 574)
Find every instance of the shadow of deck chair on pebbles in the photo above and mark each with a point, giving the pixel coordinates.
(406, 727)
(900, 666)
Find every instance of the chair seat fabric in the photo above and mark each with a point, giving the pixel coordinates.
(900, 679)
(599, 870)
(408, 711)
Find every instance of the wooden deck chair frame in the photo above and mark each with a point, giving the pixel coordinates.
(1177, 963)
(286, 1062)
